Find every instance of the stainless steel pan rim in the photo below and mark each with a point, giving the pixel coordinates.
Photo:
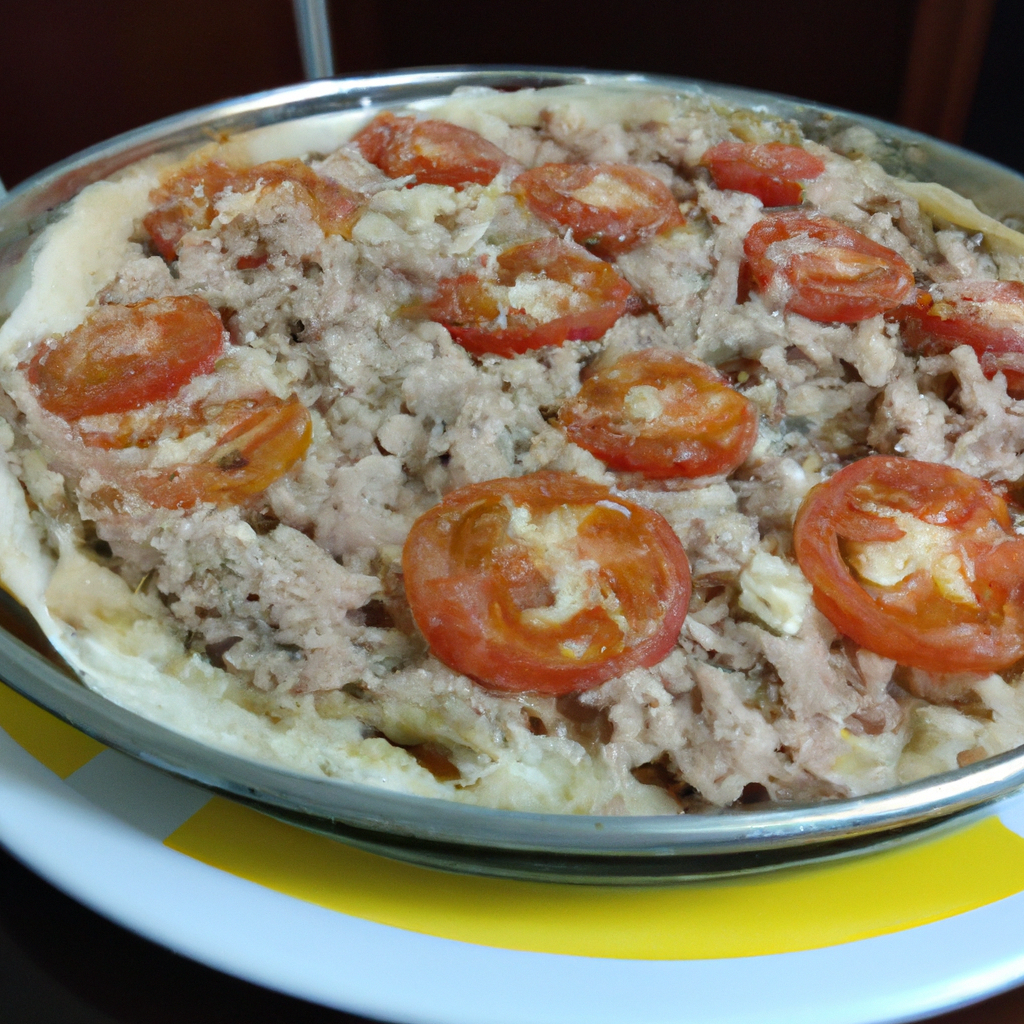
(448, 834)
(436, 831)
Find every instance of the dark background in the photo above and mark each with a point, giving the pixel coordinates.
(72, 74)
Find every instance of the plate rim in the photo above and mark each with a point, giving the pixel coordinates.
(232, 925)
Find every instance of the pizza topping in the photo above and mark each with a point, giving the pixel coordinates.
(663, 414)
(546, 583)
(610, 208)
(113, 375)
(187, 200)
(434, 152)
(776, 592)
(986, 315)
(543, 293)
(772, 171)
(917, 562)
(183, 203)
(260, 442)
(124, 357)
(922, 547)
(334, 207)
(140, 428)
(825, 270)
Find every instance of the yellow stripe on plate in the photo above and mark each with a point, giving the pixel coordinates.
(59, 746)
(776, 912)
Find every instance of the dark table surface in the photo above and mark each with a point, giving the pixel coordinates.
(62, 964)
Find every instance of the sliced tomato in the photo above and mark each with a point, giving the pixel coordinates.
(917, 562)
(183, 202)
(263, 440)
(186, 200)
(987, 315)
(436, 152)
(334, 206)
(124, 357)
(825, 270)
(545, 293)
(663, 414)
(546, 583)
(772, 171)
(611, 208)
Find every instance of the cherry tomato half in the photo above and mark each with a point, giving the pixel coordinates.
(436, 152)
(611, 208)
(546, 583)
(263, 440)
(334, 206)
(186, 201)
(772, 171)
(124, 357)
(828, 272)
(987, 315)
(183, 202)
(545, 293)
(917, 562)
(662, 414)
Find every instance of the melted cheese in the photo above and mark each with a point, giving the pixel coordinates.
(606, 191)
(923, 546)
(776, 592)
(544, 299)
(575, 582)
(643, 402)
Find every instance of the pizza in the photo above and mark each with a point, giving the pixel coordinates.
(581, 450)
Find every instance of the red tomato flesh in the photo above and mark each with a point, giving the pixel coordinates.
(987, 315)
(611, 208)
(575, 297)
(825, 270)
(546, 583)
(334, 206)
(124, 357)
(436, 152)
(952, 599)
(183, 203)
(772, 171)
(186, 200)
(660, 413)
(261, 442)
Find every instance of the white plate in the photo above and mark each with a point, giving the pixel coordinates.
(98, 834)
